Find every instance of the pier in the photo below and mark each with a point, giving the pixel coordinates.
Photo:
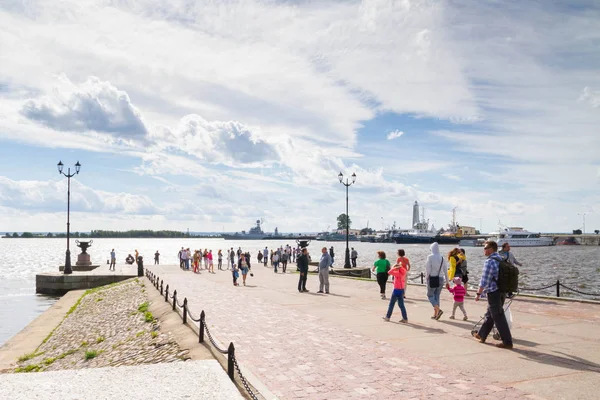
(309, 345)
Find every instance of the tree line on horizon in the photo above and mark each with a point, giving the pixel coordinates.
(103, 234)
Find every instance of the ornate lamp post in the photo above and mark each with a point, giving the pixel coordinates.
(69, 175)
(347, 184)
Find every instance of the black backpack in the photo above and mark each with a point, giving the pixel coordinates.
(508, 277)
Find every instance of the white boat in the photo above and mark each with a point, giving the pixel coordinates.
(519, 237)
(472, 242)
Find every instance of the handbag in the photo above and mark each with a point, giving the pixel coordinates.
(434, 281)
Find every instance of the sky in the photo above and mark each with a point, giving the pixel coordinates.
(208, 115)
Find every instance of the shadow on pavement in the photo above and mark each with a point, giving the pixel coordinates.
(459, 324)
(427, 329)
(338, 295)
(563, 360)
(525, 343)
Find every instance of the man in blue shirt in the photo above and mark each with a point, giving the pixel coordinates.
(324, 265)
(495, 311)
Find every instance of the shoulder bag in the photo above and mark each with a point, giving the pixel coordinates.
(434, 281)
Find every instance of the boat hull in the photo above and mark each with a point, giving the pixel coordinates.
(529, 242)
(413, 239)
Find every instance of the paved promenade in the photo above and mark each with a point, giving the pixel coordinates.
(337, 346)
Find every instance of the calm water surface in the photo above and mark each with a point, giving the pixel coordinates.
(22, 259)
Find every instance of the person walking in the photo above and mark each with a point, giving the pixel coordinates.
(243, 267)
(265, 256)
(455, 259)
(302, 261)
(156, 258)
(436, 269)
(113, 260)
(211, 265)
(275, 261)
(180, 255)
(284, 261)
(399, 273)
(353, 257)
(232, 257)
(220, 260)
(404, 262)
(324, 265)
(381, 267)
(459, 298)
(465, 272)
(332, 255)
(495, 298)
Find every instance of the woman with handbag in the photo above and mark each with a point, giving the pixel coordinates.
(437, 274)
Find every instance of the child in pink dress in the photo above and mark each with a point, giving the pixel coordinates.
(459, 292)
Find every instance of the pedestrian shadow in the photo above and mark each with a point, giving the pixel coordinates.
(425, 328)
(458, 324)
(338, 295)
(525, 343)
(563, 360)
(253, 286)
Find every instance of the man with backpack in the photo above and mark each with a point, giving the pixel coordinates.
(495, 281)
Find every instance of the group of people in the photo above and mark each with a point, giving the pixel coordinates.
(440, 272)
(129, 260)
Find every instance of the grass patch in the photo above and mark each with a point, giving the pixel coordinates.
(49, 361)
(29, 368)
(100, 339)
(66, 353)
(143, 307)
(148, 317)
(140, 333)
(29, 356)
(89, 354)
(154, 334)
(84, 344)
(99, 299)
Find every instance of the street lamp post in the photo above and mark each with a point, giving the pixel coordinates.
(347, 184)
(69, 175)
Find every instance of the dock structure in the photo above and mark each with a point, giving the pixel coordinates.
(310, 345)
(58, 283)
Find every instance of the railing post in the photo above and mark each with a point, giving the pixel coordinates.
(161, 287)
(167, 293)
(174, 299)
(230, 357)
(157, 278)
(185, 310)
(558, 288)
(201, 331)
(422, 278)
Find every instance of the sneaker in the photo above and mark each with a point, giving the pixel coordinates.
(306, 290)
(386, 319)
(320, 291)
(383, 297)
(439, 314)
(403, 321)
(465, 318)
(451, 317)
(504, 346)
(300, 291)
(326, 292)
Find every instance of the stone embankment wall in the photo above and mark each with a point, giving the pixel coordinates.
(108, 326)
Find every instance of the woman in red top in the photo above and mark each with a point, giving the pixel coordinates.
(399, 274)
(403, 262)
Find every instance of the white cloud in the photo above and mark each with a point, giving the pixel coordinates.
(394, 135)
(590, 96)
(93, 105)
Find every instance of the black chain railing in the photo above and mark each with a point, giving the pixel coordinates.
(232, 364)
(558, 284)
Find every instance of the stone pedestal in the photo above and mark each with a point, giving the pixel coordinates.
(78, 267)
(83, 260)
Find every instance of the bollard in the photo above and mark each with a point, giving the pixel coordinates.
(201, 331)
(557, 288)
(230, 356)
(422, 278)
(185, 310)
(167, 294)
(161, 287)
(174, 299)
